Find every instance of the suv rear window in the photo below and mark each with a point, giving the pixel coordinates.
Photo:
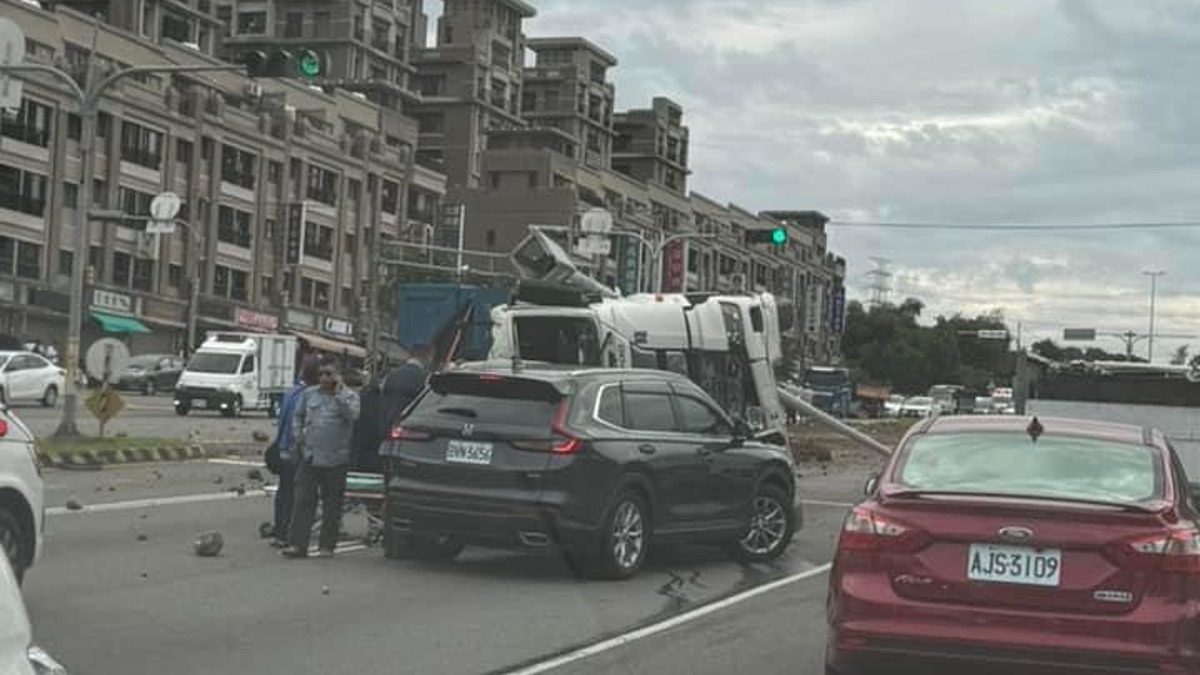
(1062, 467)
(486, 401)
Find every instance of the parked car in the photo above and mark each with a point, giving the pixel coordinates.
(917, 406)
(1016, 545)
(602, 464)
(19, 654)
(21, 493)
(151, 373)
(25, 377)
(893, 406)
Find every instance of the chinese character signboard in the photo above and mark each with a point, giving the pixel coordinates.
(629, 264)
(112, 302)
(674, 266)
(256, 320)
(837, 309)
(294, 240)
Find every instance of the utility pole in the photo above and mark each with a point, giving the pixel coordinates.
(1154, 275)
(881, 282)
(88, 98)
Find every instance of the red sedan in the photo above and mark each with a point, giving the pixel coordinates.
(1013, 545)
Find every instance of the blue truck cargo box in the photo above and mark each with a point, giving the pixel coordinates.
(423, 310)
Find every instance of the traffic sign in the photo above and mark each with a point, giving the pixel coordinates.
(992, 334)
(596, 221)
(160, 226)
(589, 246)
(1079, 334)
(106, 359)
(104, 404)
(12, 53)
(165, 206)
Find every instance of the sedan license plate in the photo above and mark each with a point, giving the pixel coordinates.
(1014, 565)
(468, 452)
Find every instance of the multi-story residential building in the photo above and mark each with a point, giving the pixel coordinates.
(287, 189)
(469, 83)
(568, 89)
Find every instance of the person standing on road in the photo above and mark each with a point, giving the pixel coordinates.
(323, 424)
(285, 446)
(401, 387)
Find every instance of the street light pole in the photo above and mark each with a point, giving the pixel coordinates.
(89, 98)
(1154, 275)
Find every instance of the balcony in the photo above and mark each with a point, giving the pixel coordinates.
(25, 133)
(23, 204)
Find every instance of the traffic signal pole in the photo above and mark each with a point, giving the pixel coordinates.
(88, 98)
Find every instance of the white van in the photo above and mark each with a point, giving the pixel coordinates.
(233, 372)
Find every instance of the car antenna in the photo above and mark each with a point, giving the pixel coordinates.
(1034, 429)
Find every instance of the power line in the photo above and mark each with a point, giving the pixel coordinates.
(1008, 227)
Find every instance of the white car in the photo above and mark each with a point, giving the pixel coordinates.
(22, 517)
(917, 406)
(18, 654)
(893, 406)
(25, 377)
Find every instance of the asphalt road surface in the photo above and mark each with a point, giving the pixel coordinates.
(105, 602)
(151, 416)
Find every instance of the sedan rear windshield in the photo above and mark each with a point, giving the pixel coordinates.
(1055, 467)
(486, 402)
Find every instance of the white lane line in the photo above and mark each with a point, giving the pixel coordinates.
(235, 462)
(662, 626)
(818, 502)
(154, 502)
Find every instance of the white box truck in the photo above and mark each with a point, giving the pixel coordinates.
(235, 372)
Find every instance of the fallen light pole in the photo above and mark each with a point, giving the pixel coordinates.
(795, 402)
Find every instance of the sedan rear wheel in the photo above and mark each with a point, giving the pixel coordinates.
(50, 398)
(771, 525)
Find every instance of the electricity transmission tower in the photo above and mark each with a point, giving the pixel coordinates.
(881, 282)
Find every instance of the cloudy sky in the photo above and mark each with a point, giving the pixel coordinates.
(1046, 112)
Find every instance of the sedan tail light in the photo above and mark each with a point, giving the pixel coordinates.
(1170, 551)
(866, 530)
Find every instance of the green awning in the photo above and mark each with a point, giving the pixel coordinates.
(112, 323)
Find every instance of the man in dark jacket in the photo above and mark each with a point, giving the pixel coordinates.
(401, 387)
(367, 432)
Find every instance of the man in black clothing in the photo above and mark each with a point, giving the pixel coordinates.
(401, 387)
(368, 433)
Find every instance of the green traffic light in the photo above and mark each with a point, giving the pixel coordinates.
(779, 236)
(309, 64)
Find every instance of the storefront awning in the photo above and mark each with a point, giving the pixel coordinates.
(332, 346)
(111, 323)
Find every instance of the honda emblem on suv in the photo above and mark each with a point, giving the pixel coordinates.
(468, 429)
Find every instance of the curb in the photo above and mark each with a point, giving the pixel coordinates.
(90, 460)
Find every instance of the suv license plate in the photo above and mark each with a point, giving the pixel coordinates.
(1014, 565)
(468, 452)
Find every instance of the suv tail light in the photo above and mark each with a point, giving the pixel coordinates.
(1170, 551)
(866, 530)
(563, 442)
(403, 433)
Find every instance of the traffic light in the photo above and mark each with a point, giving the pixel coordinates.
(777, 236)
(302, 63)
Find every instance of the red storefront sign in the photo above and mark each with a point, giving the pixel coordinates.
(247, 318)
(674, 266)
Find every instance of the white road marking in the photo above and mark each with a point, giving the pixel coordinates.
(154, 502)
(662, 626)
(818, 502)
(235, 462)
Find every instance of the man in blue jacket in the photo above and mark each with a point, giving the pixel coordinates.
(284, 440)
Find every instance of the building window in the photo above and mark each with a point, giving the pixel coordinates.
(268, 287)
(318, 241)
(141, 145)
(306, 291)
(183, 151)
(233, 226)
(29, 260)
(175, 275)
(237, 166)
(32, 123)
(176, 28)
(274, 171)
(239, 285)
(293, 25)
(322, 185)
(122, 272)
(321, 295)
(23, 191)
(70, 195)
(321, 24)
(447, 34)
(66, 261)
(225, 16)
(74, 127)
(347, 298)
(349, 244)
(96, 258)
(143, 275)
(252, 23)
(135, 202)
(431, 85)
(431, 123)
(270, 229)
(391, 197)
(100, 193)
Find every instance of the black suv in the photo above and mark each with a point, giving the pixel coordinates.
(599, 463)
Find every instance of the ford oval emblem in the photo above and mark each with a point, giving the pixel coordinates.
(1013, 533)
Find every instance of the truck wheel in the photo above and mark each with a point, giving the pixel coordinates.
(234, 409)
(182, 409)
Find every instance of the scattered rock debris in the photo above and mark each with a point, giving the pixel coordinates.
(260, 436)
(209, 544)
(74, 505)
(255, 474)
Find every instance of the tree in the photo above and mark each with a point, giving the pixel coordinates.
(1180, 357)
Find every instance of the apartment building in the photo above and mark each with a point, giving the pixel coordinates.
(287, 190)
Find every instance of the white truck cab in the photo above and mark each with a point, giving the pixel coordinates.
(234, 372)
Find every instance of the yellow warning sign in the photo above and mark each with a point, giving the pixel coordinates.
(104, 403)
